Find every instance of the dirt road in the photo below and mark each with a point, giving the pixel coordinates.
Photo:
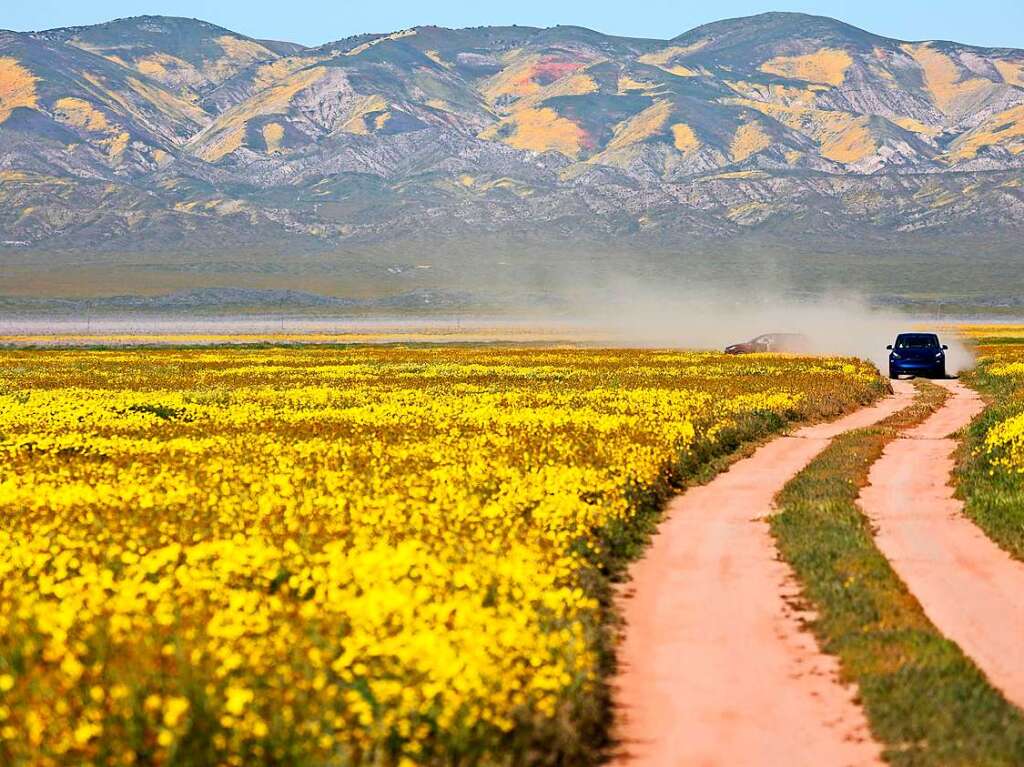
(714, 666)
(970, 589)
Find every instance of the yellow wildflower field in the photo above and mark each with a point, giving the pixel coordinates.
(991, 471)
(325, 555)
(1001, 374)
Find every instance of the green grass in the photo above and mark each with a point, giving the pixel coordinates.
(927, 703)
(994, 497)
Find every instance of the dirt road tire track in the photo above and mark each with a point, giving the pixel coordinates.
(715, 667)
(972, 590)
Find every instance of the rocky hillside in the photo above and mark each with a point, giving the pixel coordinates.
(158, 133)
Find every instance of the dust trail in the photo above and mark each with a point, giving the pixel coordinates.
(835, 324)
(620, 310)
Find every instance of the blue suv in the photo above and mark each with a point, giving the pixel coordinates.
(917, 354)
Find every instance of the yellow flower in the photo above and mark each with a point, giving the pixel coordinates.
(175, 709)
(237, 699)
(86, 732)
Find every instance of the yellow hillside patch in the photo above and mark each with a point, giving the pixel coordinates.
(152, 67)
(576, 84)
(81, 114)
(916, 126)
(381, 120)
(787, 95)
(520, 77)
(750, 139)
(17, 87)
(943, 77)
(627, 85)
(843, 137)
(640, 126)
(663, 58)
(540, 130)
(356, 123)
(224, 144)
(436, 58)
(84, 116)
(665, 55)
(573, 85)
(466, 180)
(160, 156)
(1011, 71)
(247, 51)
(628, 133)
(684, 138)
(826, 66)
(274, 71)
(660, 58)
(99, 51)
(1004, 129)
(238, 54)
(514, 80)
(748, 212)
(117, 144)
(366, 46)
(846, 139)
(686, 50)
(171, 105)
(273, 133)
(169, 69)
(111, 94)
(228, 132)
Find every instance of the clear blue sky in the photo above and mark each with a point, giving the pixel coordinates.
(979, 22)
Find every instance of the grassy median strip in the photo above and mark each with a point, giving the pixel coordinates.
(990, 477)
(926, 702)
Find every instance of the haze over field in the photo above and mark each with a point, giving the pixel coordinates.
(175, 165)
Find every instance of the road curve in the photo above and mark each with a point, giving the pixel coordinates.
(972, 590)
(714, 666)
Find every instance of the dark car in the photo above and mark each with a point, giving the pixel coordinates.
(917, 354)
(772, 342)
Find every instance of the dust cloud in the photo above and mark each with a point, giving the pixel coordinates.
(618, 310)
(834, 324)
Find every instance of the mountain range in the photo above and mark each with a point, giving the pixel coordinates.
(174, 137)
